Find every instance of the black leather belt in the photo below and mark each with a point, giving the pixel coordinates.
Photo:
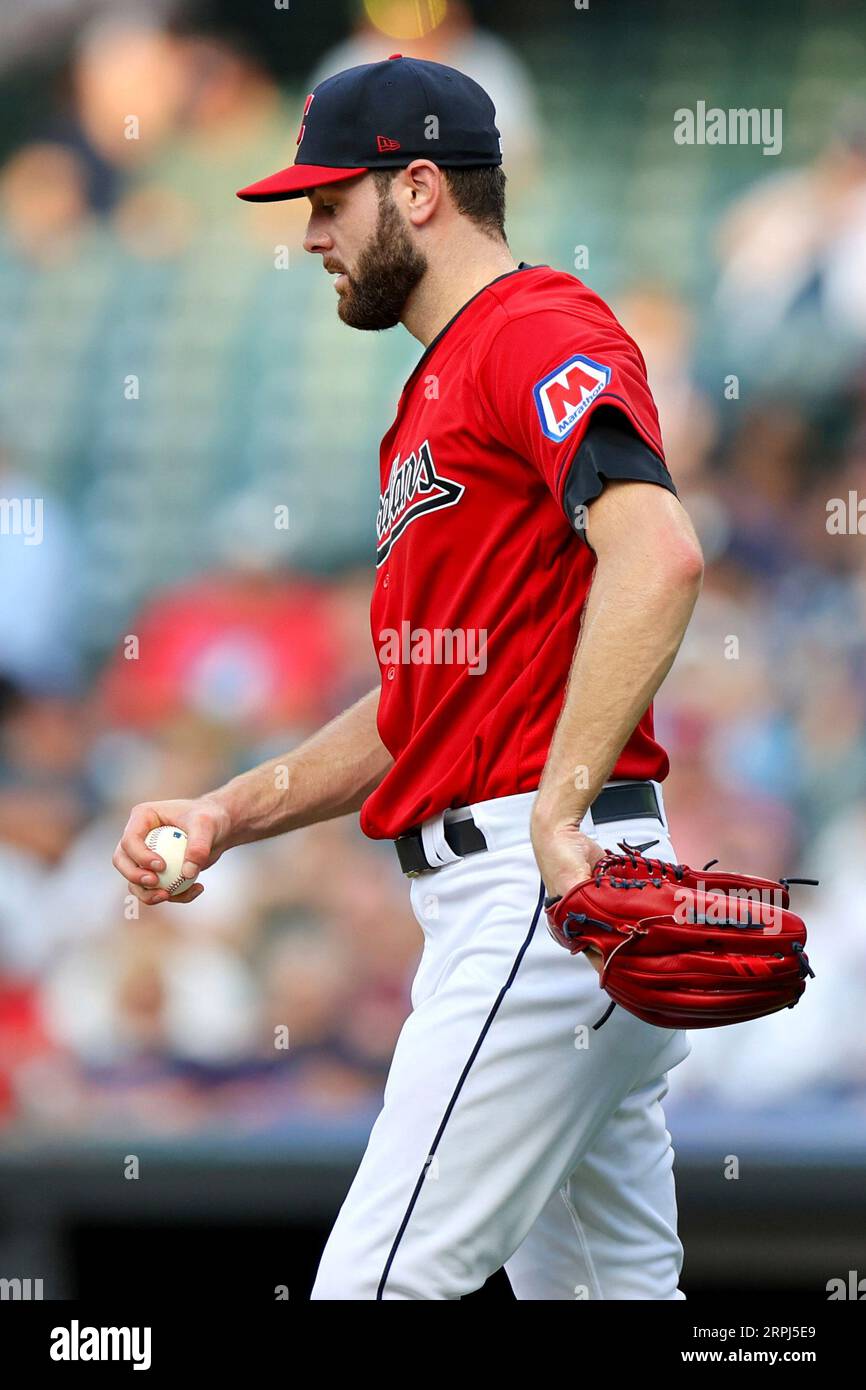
(621, 801)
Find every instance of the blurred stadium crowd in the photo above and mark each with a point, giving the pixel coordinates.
(172, 371)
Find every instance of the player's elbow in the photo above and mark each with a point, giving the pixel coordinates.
(647, 531)
(684, 561)
(679, 572)
(676, 545)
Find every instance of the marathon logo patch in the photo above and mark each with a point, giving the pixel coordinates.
(567, 393)
(414, 487)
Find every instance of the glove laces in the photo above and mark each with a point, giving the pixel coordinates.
(656, 871)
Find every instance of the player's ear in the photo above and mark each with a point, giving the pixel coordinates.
(421, 190)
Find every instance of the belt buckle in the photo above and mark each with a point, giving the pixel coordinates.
(408, 835)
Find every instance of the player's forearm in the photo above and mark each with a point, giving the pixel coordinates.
(633, 625)
(328, 775)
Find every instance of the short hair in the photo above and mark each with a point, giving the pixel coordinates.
(478, 193)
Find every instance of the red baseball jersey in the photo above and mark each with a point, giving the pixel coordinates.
(481, 579)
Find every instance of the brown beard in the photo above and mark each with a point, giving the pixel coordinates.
(387, 271)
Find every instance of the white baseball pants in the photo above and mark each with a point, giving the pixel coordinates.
(513, 1132)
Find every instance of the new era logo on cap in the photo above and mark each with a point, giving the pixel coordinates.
(384, 144)
(567, 393)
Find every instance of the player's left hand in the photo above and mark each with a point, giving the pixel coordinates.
(565, 857)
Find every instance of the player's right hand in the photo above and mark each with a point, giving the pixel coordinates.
(207, 827)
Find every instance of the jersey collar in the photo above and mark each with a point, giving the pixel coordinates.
(524, 265)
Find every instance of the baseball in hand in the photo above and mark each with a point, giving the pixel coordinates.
(170, 844)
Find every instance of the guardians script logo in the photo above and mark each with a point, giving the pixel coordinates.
(414, 487)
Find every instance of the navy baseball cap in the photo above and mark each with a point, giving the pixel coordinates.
(382, 116)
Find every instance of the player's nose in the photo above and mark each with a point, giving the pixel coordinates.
(316, 237)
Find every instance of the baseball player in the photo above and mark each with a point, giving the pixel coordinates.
(535, 574)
